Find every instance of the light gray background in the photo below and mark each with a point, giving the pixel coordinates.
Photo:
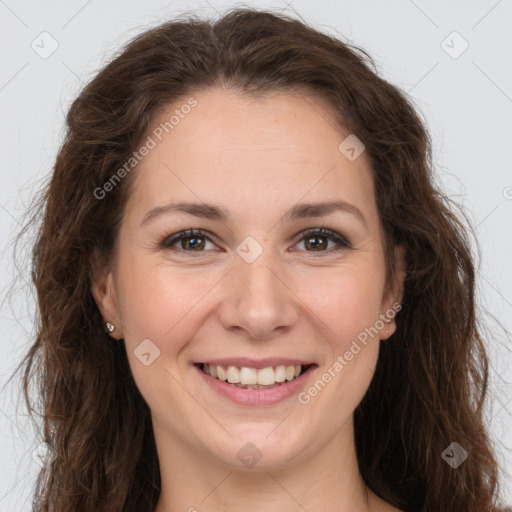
(466, 102)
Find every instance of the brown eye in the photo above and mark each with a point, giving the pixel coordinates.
(315, 244)
(194, 242)
(190, 241)
(317, 241)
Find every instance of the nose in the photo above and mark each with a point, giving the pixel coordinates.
(258, 300)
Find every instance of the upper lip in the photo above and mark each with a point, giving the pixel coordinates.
(248, 362)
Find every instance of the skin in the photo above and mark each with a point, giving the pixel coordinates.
(257, 158)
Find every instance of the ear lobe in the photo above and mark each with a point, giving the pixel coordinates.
(388, 329)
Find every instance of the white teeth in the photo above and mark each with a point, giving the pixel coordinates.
(233, 375)
(266, 376)
(280, 373)
(249, 376)
(221, 373)
(252, 377)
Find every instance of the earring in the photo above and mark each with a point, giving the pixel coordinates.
(109, 328)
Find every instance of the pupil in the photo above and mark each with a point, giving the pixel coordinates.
(316, 245)
(313, 240)
(192, 244)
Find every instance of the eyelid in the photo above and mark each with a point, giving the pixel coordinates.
(340, 240)
(170, 240)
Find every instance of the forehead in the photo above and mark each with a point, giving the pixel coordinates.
(251, 153)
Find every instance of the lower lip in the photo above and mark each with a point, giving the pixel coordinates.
(268, 396)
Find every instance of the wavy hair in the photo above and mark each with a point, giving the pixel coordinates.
(431, 376)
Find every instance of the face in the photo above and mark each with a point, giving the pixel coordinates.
(256, 288)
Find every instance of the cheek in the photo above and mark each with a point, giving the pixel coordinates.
(161, 305)
(348, 302)
(155, 298)
(167, 306)
(346, 299)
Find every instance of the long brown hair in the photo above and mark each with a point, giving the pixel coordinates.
(431, 377)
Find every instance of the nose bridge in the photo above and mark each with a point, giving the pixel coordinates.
(259, 279)
(258, 299)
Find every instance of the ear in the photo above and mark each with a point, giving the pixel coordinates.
(104, 292)
(392, 299)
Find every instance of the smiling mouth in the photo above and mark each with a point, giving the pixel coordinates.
(253, 378)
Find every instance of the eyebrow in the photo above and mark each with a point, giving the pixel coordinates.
(219, 213)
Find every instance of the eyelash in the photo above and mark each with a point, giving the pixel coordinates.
(343, 243)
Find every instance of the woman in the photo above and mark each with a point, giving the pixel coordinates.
(246, 282)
